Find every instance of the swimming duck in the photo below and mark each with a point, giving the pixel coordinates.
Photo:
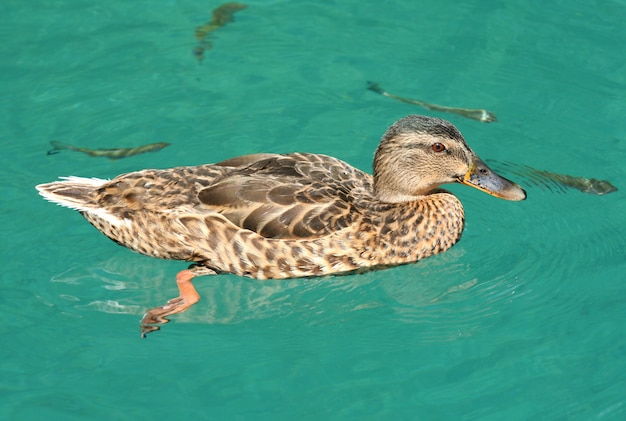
(293, 215)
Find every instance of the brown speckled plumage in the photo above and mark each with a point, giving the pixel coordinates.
(294, 215)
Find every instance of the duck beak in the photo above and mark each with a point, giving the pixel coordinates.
(481, 177)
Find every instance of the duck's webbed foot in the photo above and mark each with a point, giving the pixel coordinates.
(188, 296)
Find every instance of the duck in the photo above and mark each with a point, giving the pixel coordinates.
(277, 216)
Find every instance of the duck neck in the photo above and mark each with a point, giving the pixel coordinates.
(418, 229)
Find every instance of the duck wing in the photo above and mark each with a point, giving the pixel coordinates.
(295, 196)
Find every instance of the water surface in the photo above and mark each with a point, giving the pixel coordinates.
(523, 319)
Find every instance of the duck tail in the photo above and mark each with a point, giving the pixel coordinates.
(72, 192)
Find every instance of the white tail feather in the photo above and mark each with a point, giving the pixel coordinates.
(72, 192)
(77, 193)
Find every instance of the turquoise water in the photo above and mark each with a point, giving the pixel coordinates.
(523, 319)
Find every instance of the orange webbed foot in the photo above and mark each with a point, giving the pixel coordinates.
(188, 296)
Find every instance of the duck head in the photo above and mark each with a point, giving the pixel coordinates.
(417, 154)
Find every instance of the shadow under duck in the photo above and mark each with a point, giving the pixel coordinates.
(293, 215)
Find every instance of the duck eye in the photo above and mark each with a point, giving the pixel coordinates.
(438, 147)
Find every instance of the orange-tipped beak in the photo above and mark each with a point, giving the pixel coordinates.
(481, 177)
